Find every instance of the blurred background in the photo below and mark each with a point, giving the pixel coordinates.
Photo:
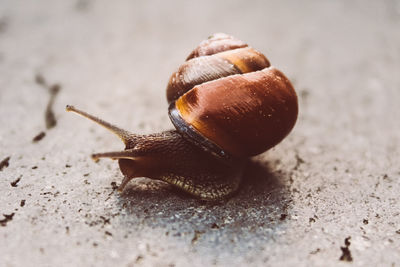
(335, 177)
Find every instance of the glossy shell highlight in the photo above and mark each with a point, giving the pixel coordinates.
(243, 115)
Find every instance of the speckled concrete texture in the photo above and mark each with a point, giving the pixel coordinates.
(328, 195)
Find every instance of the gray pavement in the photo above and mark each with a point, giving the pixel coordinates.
(328, 195)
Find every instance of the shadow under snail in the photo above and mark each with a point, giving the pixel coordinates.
(227, 104)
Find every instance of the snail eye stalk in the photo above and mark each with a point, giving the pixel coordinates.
(121, 133)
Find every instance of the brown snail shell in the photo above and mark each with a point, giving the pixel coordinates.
(231, 102)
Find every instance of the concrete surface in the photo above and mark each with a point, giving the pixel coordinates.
(330, 191)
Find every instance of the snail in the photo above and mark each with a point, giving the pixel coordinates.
(227, 104)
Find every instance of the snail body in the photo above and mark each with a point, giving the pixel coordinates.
(227, 104)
